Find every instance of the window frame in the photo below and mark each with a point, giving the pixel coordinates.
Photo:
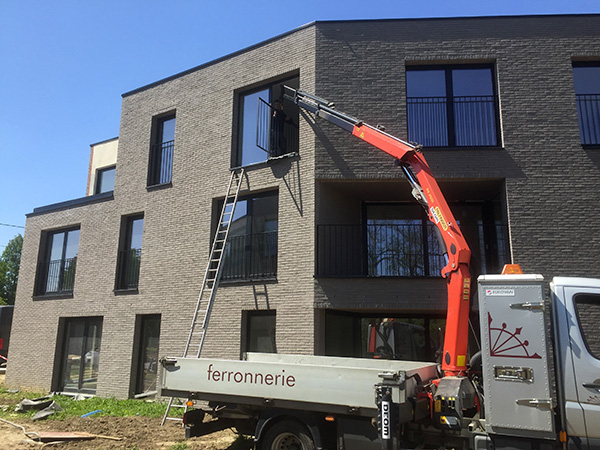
(237, 147)
(451, 123)
(99, 177)
(587, 298)
(249, 274)
(156, 176)
(124, 254)
(44, 255)
(248, 316)
(584, 64)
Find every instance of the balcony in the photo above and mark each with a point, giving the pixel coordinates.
(250, 257)
(410, 251)
(128, 269)
(161, 163)
(458, 122)
(58, 276)
(588, 108)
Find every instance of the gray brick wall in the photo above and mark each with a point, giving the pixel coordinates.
(552, 185)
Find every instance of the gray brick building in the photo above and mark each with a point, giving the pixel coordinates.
(327, 245)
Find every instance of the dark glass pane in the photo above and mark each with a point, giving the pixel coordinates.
(137, 228)
(148, 363)
(57, 241)
(251, 153)
(588, 313)
(168, 130)
(74, 342)
(106, 180)
(472, 82)
(425, 83)
(261, 333)
(586, 80)
(72, 244)
(90, 367)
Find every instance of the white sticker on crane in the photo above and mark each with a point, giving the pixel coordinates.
(500, 292)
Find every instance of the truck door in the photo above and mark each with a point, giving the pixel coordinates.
(582, 361)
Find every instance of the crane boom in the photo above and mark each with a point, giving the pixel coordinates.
(428, 193)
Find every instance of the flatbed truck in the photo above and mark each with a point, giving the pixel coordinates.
(534, 385)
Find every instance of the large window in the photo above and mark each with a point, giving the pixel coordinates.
(398, 240)
(267, 125)
(56, 270)
(586, 77)
(80, 359)
(128, 267)
(251, 251)
(452, 106)
(399, 337)
(161, 153)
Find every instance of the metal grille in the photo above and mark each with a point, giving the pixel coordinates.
(59, 275)
(129, 268)
(161, 163)
(588, 109)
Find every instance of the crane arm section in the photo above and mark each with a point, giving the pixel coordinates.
(428, 193)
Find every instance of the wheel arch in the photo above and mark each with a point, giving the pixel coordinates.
(309, 420)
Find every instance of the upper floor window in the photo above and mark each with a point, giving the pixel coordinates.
(56, 269)
(267, 125)
(105, 180)
(452, 106)
(130, 254)
(161, 153)
(586, 78)
(251, 251)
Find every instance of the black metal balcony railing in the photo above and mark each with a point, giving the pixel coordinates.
(250, 256)
(460, 121)
(397, 250)
(58, 276)
(161, 163)
(274, 135)
(588, 109)
(128, 268)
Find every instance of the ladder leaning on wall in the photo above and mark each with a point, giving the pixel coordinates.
(212, 275)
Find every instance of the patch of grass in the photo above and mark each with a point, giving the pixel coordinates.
(178, 446)
(74, 408)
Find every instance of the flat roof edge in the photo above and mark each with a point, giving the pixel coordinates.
(87, 200)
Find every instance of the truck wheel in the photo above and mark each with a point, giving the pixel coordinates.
(287, 435)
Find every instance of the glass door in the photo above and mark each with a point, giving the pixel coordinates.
(81, 355)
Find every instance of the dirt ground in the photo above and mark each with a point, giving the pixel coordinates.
(135, 433)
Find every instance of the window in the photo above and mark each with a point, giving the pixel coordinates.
(267, 125)
(147, 353)
(105, 180)
(80, 359)
(586, 78)
(398, 240)
(161, 152)
(261, 332)
(399, 337)
(251, 251)
(588, 315)
(56, 270)
(128, 265)
(452, 106)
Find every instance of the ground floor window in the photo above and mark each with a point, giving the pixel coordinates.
(400, 337)
(147, 360)
(80, 358)
(260, 327)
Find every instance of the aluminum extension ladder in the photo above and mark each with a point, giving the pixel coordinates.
(212, 275)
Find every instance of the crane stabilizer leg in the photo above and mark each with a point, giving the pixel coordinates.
(428, 193)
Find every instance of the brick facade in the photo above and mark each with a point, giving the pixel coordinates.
(550, 186)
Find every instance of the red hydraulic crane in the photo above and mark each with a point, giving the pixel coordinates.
(427, 192)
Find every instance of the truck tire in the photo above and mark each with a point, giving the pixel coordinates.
(287, 435)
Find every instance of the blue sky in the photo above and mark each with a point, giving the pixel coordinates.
(65, 63)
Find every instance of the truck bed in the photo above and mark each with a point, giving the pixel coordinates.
(320, 383)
